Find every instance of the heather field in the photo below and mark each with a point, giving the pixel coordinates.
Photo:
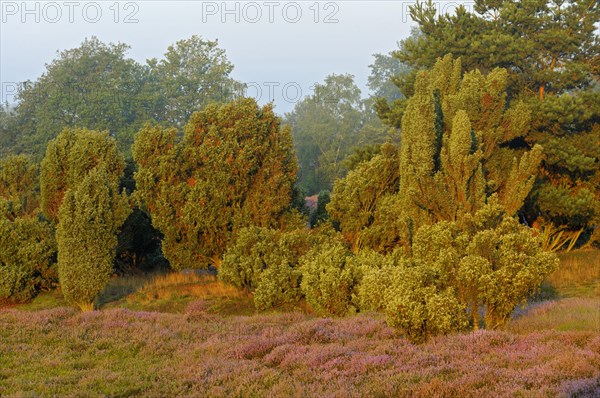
(210, 343)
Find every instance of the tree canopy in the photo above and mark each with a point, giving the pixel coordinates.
(93, 86)
(192, 73)
(96, 86)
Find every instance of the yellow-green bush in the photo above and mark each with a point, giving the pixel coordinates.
(417, 304)
(27, 249)
(27, 244)
(488, 263)
(330, 278)
(265, 261)
(234, 167)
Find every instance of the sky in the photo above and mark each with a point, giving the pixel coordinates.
(280, 48)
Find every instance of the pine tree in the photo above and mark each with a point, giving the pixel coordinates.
(550, 51)
(233, 168)
(90, 217)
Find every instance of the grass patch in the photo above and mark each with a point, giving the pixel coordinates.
(44, 301)
(567, 299)
(120, 287)
(568, 314)
(172, 292)
(178, 284)
(578, 274)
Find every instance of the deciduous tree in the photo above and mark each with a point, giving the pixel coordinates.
(93, 86)
(193, 73)
(326, 126)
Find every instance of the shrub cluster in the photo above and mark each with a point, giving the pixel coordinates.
(27, 250)
(458, 275)
(329, 278)
(27, 245)
(488, 266)
(265, 261)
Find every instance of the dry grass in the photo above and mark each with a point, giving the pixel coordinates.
(578, 274)
(573, 313)
(172, 292)
(191, 285)
(569, 298)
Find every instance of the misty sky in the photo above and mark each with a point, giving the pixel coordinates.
(271, 43)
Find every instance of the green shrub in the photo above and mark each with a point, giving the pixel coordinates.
(265, 261)
(375, 278)
(27, 244)
(510, 262)
(488, 263)
(330, 278)
(356, 198)
(412, 296)
(415, 304)
(492, 262)
(234, 167)
(69, 158)
(279, 284)
(19, 185)
(27, 249)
